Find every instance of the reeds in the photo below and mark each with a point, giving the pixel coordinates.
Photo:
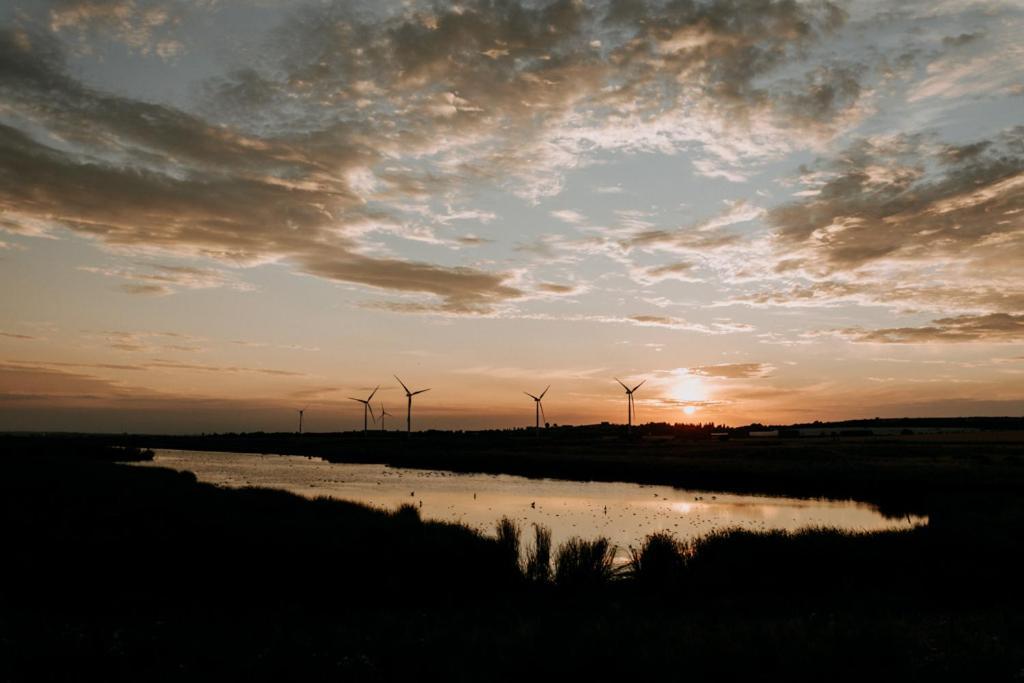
(407, 512)
(659, 561)
(509, 534)
(584, 564)
(538, 556)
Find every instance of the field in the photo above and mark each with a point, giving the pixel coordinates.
(124, 573)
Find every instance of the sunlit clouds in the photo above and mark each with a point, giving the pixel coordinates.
(775, 210)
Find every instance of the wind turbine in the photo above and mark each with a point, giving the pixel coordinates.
(631, 411)
(301, 411)
(382, 414)
(409, 395)
(366, 406)
(538, 408)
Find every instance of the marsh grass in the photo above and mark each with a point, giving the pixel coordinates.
(660, 560)
(538, 556)
(584, 564)
(508, 537)
(407, 512)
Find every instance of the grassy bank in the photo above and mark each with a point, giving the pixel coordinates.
(126, 573)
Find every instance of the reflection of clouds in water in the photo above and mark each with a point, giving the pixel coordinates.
(625, 513)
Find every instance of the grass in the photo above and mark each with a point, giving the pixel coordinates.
(584, 564)
(659, 561)
(537, 568)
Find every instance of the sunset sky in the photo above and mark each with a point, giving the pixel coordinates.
(213, 213)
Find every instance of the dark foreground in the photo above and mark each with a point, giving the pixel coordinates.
(119, 573)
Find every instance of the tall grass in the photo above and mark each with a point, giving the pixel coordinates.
(509, 534)
(659, 561)
(584, 564)
(407, 512)
(538, 556)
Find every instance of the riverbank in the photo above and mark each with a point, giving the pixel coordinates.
(914, 474)
(125, 573)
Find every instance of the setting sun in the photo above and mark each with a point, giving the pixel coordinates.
(688, 388)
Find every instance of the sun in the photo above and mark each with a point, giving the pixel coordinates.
(689, 388)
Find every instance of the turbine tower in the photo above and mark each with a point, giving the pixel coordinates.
(382, 414)
(630, 410)
(408, 413)
(366, 406)
(538, 407)
(301, 411)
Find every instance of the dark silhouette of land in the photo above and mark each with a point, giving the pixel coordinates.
(115, 572)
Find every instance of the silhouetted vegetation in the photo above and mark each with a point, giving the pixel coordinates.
(659, 561)
(581, 563)
(508, 535)
(537, 567)
(121, 573)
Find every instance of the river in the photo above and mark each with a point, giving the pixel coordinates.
(623, 512)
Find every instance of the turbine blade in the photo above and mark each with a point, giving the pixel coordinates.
(638, 386)
(420, 391)
(542, 415)
(372, 416)
(545, 391)
(403, 385)
(623, 385)
(356, 399)
(370, 397)
(531, 395)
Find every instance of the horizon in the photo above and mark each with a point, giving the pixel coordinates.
(374, 429)
(213, 215)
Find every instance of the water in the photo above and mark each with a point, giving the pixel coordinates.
(624, 513)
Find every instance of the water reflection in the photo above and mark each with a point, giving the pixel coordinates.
(625, 513)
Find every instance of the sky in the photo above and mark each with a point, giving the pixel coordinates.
(214, 213)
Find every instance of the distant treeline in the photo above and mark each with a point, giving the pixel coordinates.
(656, 429)
(986, 423)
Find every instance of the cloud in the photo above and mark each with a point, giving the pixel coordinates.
(141, 25)
(719, 326)
(473, 240)
(994, 327)
(679, 270)
(135, 342)
(556, 288)
(397, 104)
(569, 216)
(518, 373)
(910, 220)
(355, 115)
(22, 337)
(233, 369)
(189, 188)
(163, 279)
(702, 236)
(962, 39)
(155, 364)
(146, 289)
(735, 370)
